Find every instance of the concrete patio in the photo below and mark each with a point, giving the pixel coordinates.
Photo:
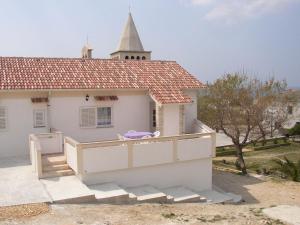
(18, 184)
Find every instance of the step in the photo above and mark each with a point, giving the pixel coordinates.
(68, 189)
(56, 167)
(181, 194)
(213, 196)
(109, 193)
(58, 173)
(54, 159)
(132, 199)
(234, 198)
(148, 194)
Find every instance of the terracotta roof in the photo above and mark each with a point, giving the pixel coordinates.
(165, 80)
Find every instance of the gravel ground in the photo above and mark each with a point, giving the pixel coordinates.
(258, 195)
(23, 211)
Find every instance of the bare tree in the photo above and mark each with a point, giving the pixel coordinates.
(240, 107)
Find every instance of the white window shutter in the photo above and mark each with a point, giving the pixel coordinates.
(39, 118)
(3, 118)
(88, 117)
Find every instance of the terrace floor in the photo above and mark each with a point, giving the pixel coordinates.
(18, 185)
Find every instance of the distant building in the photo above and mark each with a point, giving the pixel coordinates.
(130, 46)
(293, 110)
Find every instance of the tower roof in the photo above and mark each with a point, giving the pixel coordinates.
(130, 40)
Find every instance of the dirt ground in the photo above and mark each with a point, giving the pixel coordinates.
(257, 193)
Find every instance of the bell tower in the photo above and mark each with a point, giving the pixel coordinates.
(130, 45)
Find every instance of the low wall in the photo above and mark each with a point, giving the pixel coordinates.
(70, 146)
(35, 154)
(195, 174)
(164, 161)
(51, 142)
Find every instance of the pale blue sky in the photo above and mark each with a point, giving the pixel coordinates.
(207, 37)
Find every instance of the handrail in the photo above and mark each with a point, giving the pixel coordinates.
(84, 145)
(71, 141)
(202, 126)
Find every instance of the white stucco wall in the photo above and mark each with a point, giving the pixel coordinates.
(195, 174)
(130, 112)
(152, 153)
(14, 140)
(189, 149)
(71, 155)
(171, 120)
(51, 142)
(190, 111)
(105, 158)
(294, 117)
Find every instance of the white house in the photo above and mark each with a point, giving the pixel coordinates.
(293, 111)
(89, 101)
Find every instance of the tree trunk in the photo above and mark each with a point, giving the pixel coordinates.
(263, 134)
(240, 159)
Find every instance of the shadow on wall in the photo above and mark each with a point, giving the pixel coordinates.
(236, 184)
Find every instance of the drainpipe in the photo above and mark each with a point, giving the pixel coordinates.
(49, 113)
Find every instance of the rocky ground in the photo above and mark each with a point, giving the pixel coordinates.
(258, 194)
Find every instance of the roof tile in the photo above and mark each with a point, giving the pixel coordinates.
(165, 80)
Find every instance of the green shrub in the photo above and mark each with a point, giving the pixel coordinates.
(225, 153)
(264, 147)
(289, 168)
(295, 130)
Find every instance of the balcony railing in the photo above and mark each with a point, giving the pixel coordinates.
(95, 157)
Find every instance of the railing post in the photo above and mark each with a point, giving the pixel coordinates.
(130, 154)
(175, 150)
(39, 163)
(79, 151)
(60, 140)
(213, 137)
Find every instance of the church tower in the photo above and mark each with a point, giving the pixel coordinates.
(130, 46)
(86, 52)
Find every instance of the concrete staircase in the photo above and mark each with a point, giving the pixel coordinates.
(183, 195)
(111, 193)
(55, 165)
(69, 189)
(147, 194)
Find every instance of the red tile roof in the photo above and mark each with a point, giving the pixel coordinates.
(165, 80)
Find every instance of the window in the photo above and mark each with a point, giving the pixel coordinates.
(143, 58)
(132, 57)
(39, 118)
(3, 118)
(138, 58)
(88, 117)
(126, 57)
(154, 118)
(290, 109)
(91, 117)
(104, 116)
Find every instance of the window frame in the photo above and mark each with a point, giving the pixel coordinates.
(35, 111)
(111, 116)
(154, 122)
(5, 119)
(96, 116)
(80, 117)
